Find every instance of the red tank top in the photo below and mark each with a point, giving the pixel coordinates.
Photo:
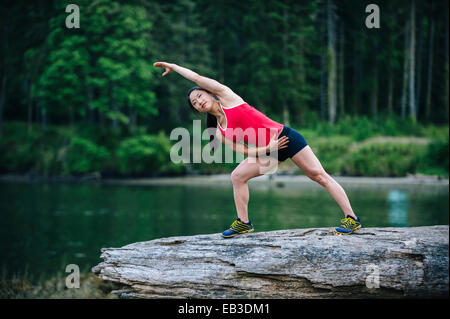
(244, 122)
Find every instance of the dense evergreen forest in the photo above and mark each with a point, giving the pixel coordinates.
(307, 64)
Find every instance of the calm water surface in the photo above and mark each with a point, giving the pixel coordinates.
(44, 227)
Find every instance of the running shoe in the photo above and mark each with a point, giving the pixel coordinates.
(349, 225)
(237, 228)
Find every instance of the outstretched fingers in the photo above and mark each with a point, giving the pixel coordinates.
(282, 142)
(164, 65)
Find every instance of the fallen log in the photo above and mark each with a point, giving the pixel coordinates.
(298, 263)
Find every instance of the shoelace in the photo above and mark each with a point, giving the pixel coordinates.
(238, 226)
(348, 223)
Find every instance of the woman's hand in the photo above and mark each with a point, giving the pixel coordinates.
(165, 65)
(277, 144)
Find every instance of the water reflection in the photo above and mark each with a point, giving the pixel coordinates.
(43, 228)
(398, 208)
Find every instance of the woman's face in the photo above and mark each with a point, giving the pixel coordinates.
(201, 100)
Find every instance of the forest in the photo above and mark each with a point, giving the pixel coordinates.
(370, 101)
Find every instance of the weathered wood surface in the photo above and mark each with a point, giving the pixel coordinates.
(297, 263)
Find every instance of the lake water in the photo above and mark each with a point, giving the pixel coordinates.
(44, 227)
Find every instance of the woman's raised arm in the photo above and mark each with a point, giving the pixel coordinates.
(209, 84)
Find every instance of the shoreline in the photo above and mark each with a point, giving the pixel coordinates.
(288, 182)
(275, 180)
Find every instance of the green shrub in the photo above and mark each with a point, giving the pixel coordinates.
(435, 160)
(383, 159)
(84, 156)
(16, 155)
(23, 151)
(436, 132)
(363, 127)
(330, 150)
(146, 154)
(342, 149)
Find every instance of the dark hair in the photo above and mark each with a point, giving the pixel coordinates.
(211, 121)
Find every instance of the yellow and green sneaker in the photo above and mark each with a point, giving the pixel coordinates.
(237, 228)
(349, 225)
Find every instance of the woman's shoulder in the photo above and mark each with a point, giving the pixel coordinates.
(233, 106)
(229, 99)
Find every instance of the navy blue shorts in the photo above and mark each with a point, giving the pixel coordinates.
(296, 143)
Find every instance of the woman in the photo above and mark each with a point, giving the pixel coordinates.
(228, 113)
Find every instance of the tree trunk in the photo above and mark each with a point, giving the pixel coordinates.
(405, 74)
(132, 116)
(357, 73)
(114, 108)
(4, 77)
(301, 78)
(90, 97)
(446, 71)
(101, 118)
(390, 104)
(374, 92)
(391, 262)
(323, 74)
(332, 91)
(37, 113)
(286, 115)
(30, 106)
(221, 57)
(341, 70)
(430, 65)
(2, 100)
(71, 115)
(43, 118)
(419, 66)
(412, 69)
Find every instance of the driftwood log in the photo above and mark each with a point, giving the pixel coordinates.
(298, 263)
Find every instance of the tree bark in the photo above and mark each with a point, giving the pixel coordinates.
(405, 74)
(412, 64)
(2, 101)
(323, 74)
(332, 91)
(419, 66)
(357, 73)
(342, 70)
(90, 97)
(286, 113)
(374, 91)
(323, 94)
(390, 103)
(30, 105)
(446, 71)
(430, 65)
(221, 58)
(4, 77)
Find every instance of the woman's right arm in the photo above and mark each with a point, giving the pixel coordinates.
(254, 151)
(218, 89)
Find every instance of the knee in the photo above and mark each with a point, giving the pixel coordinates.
(237, 177)
(319, 176)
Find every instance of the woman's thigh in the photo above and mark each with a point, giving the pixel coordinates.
(252, 167)
(307, 161)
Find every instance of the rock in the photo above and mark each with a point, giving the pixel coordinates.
(297, 263)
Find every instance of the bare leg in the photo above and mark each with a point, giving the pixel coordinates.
(308, 162)
(245, 171)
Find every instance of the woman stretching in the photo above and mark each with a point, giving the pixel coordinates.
(229, 115)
